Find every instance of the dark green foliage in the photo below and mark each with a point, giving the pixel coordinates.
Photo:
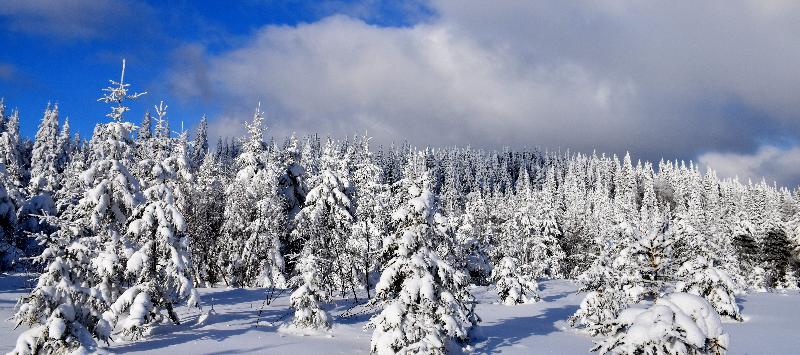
(776, 253)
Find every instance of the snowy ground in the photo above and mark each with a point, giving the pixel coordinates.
(771, 327)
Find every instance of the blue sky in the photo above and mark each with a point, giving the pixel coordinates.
(713, 81)
(69, 60)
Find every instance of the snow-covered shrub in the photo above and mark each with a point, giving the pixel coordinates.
(699, 277)
(757, 279)
(512, 287)
(679, 323)
(598, 310)
(60, 333)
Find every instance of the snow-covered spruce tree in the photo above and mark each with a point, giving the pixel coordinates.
(776, 251)
(159, 271)
(83, 274)
(72, 188)
(475, 235)
(425, 300)
(44, 181)
(548, 237)
(204, 220)
(240, 203)
(512, 287)
(371, 222)
(294, 190)
(306, 299)
(200, 144)
(679, 323)
(113, 193)
(63, 310)
(9, 253)
(325, 222)
(598, 310)
(43, 156)
(64, 149)
(254, 222)
(700, 277)
(606, 296)
(262, 257)
(11, 156)
(651, 254)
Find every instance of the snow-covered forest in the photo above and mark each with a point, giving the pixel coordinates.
(119, 231)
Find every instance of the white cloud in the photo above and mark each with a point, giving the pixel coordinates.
(660, 79)
(780, 164)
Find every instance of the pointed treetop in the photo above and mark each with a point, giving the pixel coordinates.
(117, 93)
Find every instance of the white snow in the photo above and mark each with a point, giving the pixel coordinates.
(539, 328)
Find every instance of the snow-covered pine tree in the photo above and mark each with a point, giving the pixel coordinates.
(371, 222)
(161, 142)
(651, 254)
(159, 270)
(43, 183)
(11, 156)
(306, 299)
(64, 149)
(200, 144)
(9, 253)
(63, 310)
(598, 310)
(512, 286)
(606, 295)
(475, 239)
(248, 234)
(262, 254)
(292, 183)
(113, 193)
(44, 154)
(425, 300)
(72, 187)
(549, 237)
(204, 220)
(325, 222)
(83, 274)
(700, 277)
(776, 252)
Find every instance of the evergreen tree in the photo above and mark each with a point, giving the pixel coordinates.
(83, 275)
(325, 222)
(204, 220)
(679, 323)
(700, 277)
(371, 222)
(200, 143)
(248, 233)
(776, 256)
(11, 156)
(424, 298)
(513, 288)
(160, 270)
(9, 253)
(43, 157)
(306, 299)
